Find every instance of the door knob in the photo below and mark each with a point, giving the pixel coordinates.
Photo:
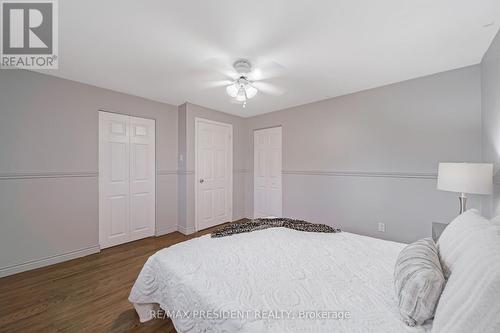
(202, 180)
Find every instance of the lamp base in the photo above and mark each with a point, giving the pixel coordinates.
(463, 202)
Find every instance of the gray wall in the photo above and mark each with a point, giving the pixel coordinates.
(372, 156)
(351, 161)
(49, 165)
(490, 68)
(187, 114)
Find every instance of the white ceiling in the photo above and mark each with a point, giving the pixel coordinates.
(168, 50)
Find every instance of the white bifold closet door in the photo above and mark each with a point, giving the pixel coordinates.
(126, 178)
(267, 173)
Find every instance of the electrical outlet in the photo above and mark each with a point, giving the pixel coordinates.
(381, 227)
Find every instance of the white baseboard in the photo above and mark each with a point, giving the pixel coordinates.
(33, 264)
(184, 230)
(27, 266)
(167, 230)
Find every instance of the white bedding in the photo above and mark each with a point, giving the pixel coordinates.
(279, 273)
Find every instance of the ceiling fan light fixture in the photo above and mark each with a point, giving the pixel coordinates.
(241, 90)
(245, 82)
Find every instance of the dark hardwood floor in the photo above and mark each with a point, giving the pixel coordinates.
(88, 294)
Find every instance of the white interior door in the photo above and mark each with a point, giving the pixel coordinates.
(142, 178)
(213, 173)
(126, 178)
(267, 173)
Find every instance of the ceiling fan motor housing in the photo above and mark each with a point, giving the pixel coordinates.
(242, 66)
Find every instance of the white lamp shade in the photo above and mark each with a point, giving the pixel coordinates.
(473, 178)
(232, 90)
(251, 91)
(241, 96)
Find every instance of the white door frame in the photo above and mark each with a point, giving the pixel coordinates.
(197, 121)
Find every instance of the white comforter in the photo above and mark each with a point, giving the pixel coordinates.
(274, 275)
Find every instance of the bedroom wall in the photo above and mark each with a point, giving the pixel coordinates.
(352, 161)
(187, 114)
(49, 165)
(372, 156)
(490, 69)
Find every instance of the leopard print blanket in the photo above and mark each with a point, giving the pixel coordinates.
(260, 224)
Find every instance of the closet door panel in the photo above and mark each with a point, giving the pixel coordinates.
(142, 178)
(114, 197)
(267, 172)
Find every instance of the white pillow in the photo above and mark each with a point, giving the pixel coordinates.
(470, 302)
(456, 238)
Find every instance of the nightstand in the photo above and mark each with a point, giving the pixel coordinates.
(437, 230)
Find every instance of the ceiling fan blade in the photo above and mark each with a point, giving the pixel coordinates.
(268, 88)
(221, 66)
(217, 84)
(266, 70)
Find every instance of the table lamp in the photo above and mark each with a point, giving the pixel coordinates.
(465, 178)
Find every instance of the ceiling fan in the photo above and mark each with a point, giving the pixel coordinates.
(246, 81)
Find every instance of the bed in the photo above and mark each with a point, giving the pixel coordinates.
(275, 280)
